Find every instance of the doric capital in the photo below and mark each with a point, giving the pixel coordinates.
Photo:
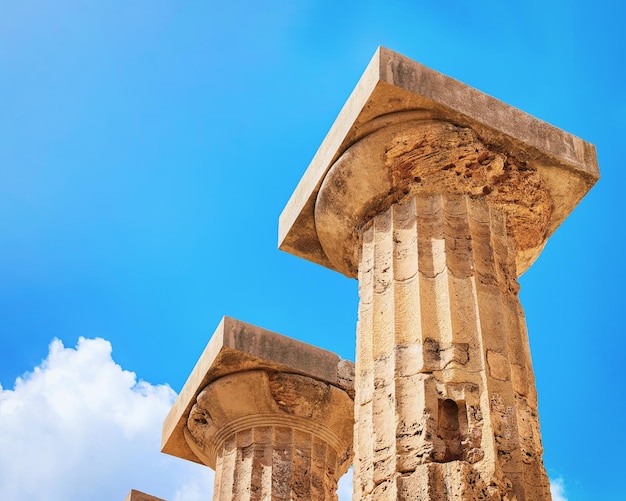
(246, 371)
(427, 157)
(425, 131)
(259, 399)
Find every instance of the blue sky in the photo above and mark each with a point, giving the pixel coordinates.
(147, 148)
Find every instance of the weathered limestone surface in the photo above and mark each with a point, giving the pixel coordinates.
(134, 495)
(443, 364)
(437, 198)
(270, 430)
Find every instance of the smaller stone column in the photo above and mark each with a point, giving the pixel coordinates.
(272, 416)
(134, 495)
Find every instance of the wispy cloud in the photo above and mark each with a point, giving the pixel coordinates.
(80, 427)
(557, 488)
(198, 487)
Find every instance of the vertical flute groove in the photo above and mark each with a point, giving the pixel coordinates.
(383, 343)
(278, 463)
(363, 454)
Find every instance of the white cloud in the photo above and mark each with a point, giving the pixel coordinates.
(81, 427)
(557, 489)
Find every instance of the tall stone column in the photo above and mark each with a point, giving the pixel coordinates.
(272, 416)
(443, 364)
(437, 198)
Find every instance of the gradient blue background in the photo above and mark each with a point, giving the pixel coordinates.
(147, 148)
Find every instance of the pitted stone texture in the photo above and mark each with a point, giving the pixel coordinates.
(426, 157)
(445, 393)
(272, 436)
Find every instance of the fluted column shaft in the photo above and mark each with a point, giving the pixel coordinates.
(275, 462)
(446, 406)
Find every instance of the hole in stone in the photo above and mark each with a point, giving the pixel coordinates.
(449, 429)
